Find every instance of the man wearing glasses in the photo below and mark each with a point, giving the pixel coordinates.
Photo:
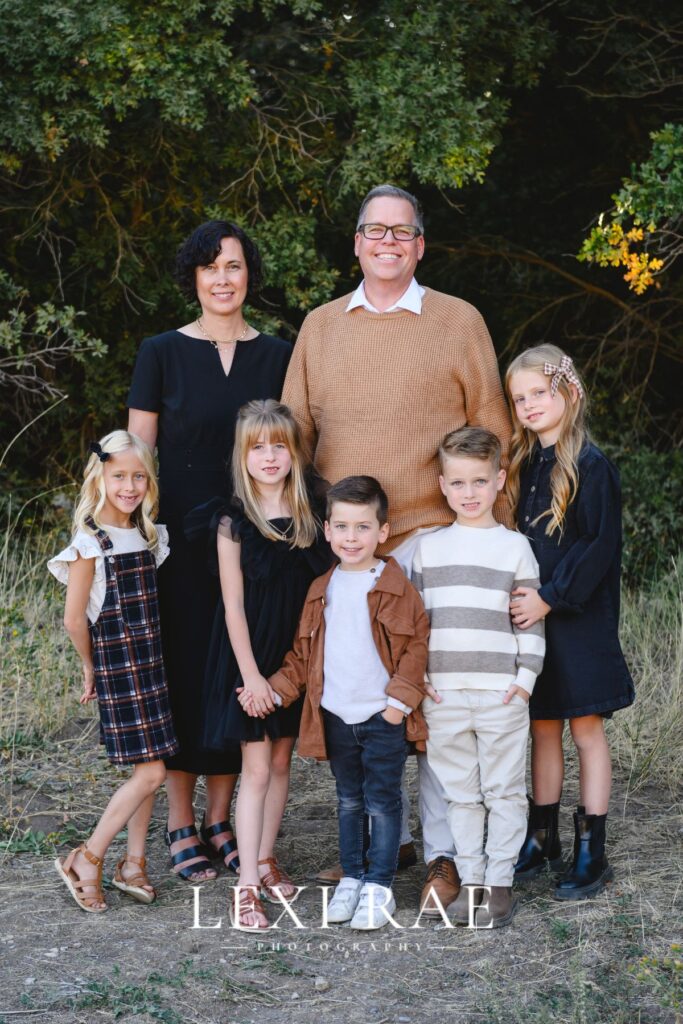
(376, 380)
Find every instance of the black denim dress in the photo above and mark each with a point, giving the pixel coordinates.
(584, 672)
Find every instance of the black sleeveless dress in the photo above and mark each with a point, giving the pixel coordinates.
(276, 581)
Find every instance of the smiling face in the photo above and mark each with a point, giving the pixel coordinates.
(535, 406)
(125, 486)
(268, 461)
(388, 263)
(471, 487)
(222, 284)
(354, 532)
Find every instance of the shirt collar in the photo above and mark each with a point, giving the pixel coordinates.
(410, 300)
(545, 454)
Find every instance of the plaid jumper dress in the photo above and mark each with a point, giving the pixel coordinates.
(135, 714)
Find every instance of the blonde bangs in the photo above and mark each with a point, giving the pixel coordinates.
(274, 432)
(271, 421)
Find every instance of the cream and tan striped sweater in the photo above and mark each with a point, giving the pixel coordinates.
(375, 393)
(465, 576)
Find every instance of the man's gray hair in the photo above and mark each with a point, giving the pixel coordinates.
(395, 193)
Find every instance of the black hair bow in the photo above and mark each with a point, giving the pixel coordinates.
(96, 448)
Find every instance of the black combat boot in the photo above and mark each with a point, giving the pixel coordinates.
(542, 843)
(590, 870)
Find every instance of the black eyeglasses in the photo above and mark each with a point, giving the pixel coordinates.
(401, 232)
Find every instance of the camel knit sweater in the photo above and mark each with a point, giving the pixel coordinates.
(375, 393)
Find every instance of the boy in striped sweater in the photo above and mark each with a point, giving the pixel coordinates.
(482, 670)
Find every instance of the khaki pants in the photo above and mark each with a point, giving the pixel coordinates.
(477, 750)
(437, 840)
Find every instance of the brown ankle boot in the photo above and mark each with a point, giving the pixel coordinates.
(459, 909)
(498, 907)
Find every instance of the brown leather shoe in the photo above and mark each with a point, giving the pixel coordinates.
(329, 876)
(459, 909)
(442, 878)
(499, 907)
(407, 856)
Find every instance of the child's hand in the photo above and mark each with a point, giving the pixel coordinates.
(527, 607)
(431, 692)
(261, 695)
(392, 715)
(246, 700)
(514, 689)
(89, 692)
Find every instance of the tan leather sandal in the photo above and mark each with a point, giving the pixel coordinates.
(276, 878)
(249, 905)
(134, 885)
(75, 885)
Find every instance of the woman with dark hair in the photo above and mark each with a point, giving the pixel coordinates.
(187, 387)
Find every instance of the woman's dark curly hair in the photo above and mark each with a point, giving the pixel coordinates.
(201, 248)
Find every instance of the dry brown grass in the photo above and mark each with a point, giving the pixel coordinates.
(557, 963)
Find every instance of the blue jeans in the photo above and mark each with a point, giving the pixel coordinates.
(367, 762)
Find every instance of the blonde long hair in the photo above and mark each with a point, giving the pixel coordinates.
(93, 494)
(564, 478)
(271, 419)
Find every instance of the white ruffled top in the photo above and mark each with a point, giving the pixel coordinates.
(85, 545)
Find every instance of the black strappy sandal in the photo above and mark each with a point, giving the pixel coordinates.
(226, 848)
(189, 853)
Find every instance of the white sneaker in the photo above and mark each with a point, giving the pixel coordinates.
(345, 900)
(369, 914)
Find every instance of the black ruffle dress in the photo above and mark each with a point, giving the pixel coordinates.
(276, 581)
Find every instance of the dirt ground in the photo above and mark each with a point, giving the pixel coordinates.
(607, 960)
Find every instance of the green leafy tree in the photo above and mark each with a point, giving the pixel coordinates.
(124, 124)
(128, 123)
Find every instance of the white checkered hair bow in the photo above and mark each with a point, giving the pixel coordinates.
(566, 370)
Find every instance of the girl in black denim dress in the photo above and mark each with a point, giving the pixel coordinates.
(567, 499)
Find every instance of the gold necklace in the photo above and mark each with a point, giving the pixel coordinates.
(282, 534)
(221, 344)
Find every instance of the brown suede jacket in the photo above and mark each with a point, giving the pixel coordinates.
(400, 629)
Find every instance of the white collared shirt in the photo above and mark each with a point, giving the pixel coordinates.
(410, 300)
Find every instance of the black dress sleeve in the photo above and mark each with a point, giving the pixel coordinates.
(598, 514)
(146, 389)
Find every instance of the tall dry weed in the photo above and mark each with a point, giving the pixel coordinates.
(647, 738)
(40, 673)
(38, 668)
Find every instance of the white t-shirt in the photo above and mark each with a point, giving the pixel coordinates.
(125, 541)
(355, 679)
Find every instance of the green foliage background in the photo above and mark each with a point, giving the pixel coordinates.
(123, 124)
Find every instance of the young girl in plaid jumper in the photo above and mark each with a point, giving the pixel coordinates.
(112, 617)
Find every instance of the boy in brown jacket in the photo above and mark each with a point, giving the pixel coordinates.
(360, 656)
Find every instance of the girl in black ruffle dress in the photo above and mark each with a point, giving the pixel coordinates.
(270, 546)
(568, 503)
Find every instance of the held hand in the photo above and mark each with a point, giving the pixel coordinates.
(246, 700)
(527, 607)
(392, 715)
(261, 693)
(514, 689)
(89, 692)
